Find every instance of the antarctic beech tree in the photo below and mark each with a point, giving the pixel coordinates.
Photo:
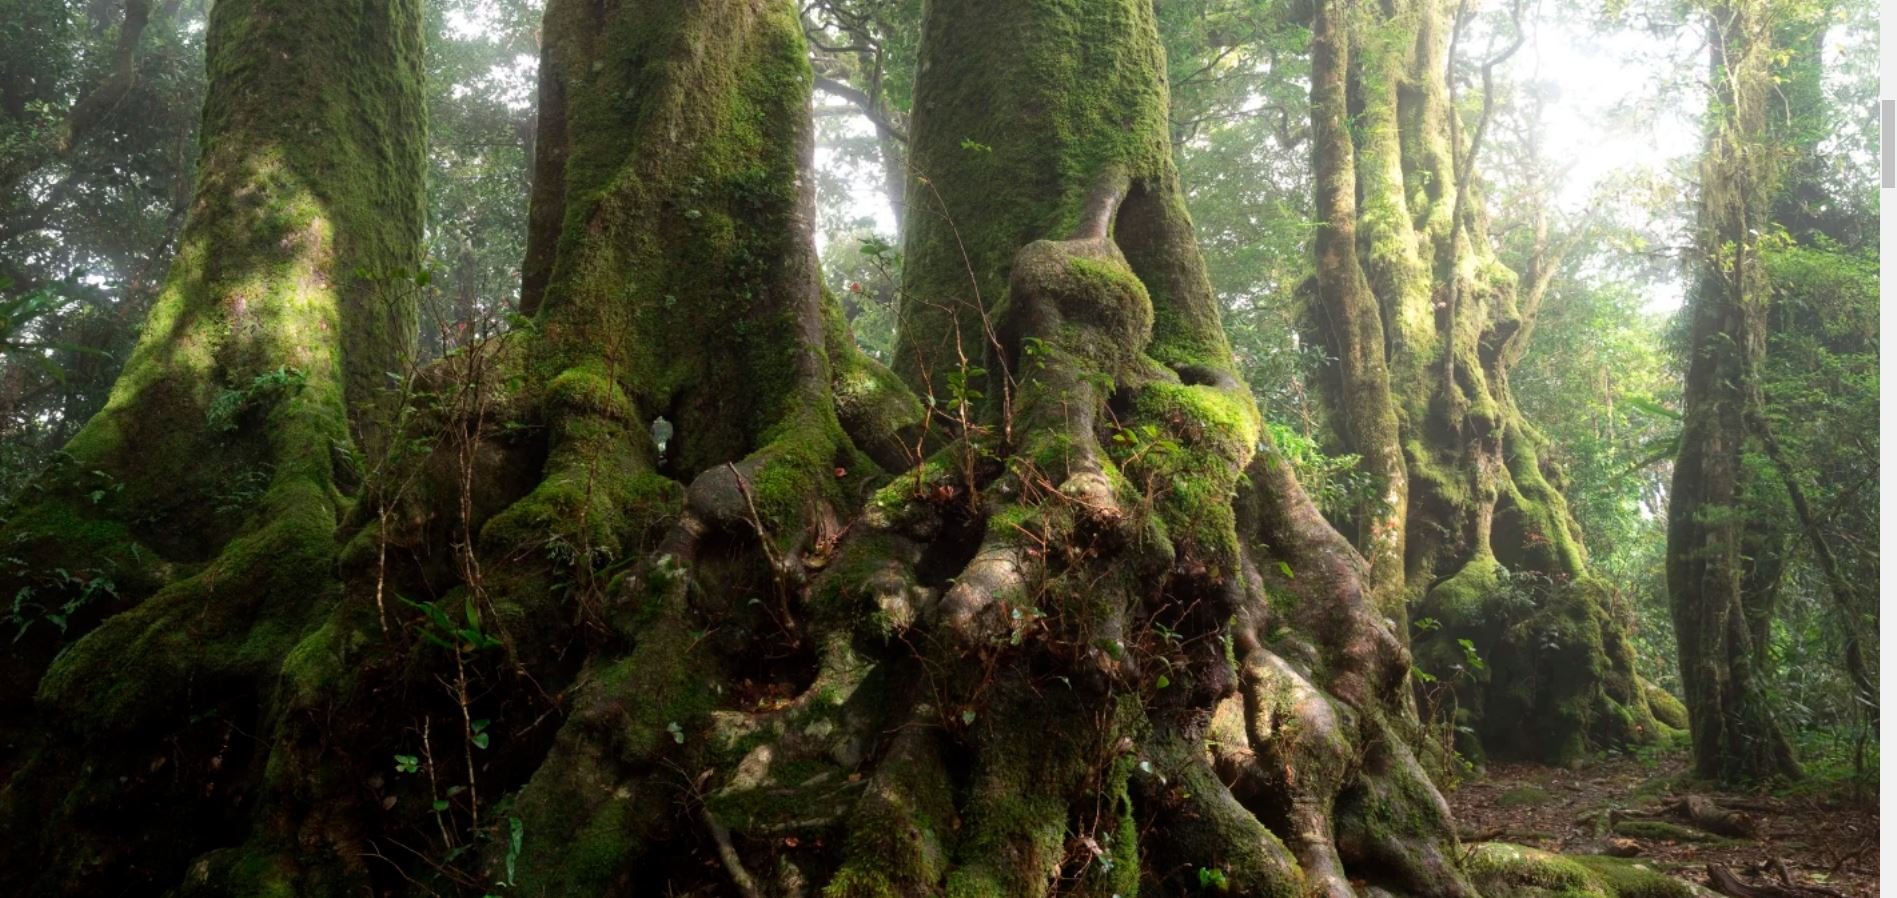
(1066, 623)
(995, 667)
(1469, 533)
(196, 514)
(1735, 737)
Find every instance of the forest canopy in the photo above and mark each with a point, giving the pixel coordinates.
(863, 448)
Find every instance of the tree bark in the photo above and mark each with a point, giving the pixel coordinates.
(1734, 735)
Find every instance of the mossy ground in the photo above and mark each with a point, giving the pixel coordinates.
(1580, 802)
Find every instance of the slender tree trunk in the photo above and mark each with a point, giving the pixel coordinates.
(1352, 317)
(1734, 735)
(1424, 323)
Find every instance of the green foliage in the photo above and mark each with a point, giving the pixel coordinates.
(442, 629)
(85, 233)
(1335, 482)
(1822, 392)
(54, 598)
(480, 80)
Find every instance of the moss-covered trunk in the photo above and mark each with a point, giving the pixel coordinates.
(1096, 641)
(1467, 534)
(1734, 735)
(186, 539)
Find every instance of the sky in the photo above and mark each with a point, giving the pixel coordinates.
(1620, 106)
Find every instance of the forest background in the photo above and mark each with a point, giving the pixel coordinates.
(1592, 115)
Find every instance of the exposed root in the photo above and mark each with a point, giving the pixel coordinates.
(999, 575)
(734, 865)
(902, 828)
(1205, 827)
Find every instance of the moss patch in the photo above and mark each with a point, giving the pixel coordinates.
(1523, 797)
(1502, 870)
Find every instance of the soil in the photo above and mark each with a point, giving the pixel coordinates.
(1825, 840)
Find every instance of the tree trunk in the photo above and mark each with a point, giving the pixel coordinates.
(195, 516)
(1095, 642)
(1734, 735)
(1424, 322)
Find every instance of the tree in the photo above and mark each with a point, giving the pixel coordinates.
(1753, 185)
(195, 514)
(1424, 323)
(1059, 622)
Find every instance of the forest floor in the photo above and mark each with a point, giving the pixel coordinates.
(1823, 837)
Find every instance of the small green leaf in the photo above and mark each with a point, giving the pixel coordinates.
(516, 830)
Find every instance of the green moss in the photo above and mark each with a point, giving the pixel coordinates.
(863, 882)
(1506, 871)
(872, 403)
(1625, 878)
(221, 622)
(1513, 871)
(1667, 709)
(1104, 278)
(587, 390)
(797, 467)
(1464, 597)
(1189, 463)
(679, 270)
(1117, 870)
(243, 871)
(1007, 100)
(315, 667)
(1522, 797)
(1210, 830)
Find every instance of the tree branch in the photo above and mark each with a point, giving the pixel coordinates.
(871, 109)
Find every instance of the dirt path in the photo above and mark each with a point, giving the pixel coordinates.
(1824, 842)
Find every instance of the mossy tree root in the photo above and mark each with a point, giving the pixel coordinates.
(753, 661)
